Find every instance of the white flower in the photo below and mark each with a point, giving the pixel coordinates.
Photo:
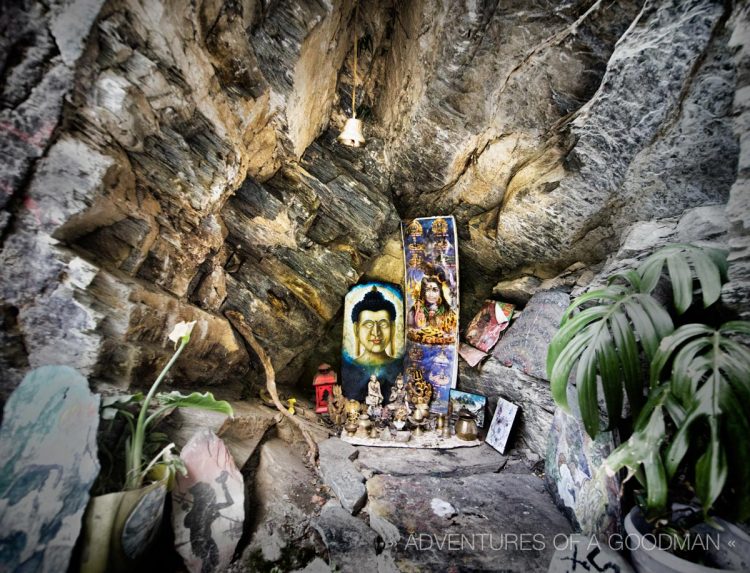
(181, 331)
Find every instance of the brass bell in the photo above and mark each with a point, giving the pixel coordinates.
(466, 426)
(352, 134)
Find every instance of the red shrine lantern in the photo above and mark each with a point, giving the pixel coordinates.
(323, 381)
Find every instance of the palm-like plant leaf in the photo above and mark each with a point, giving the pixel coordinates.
(641, 451)
(603, 340)
(685, 262)
(710, 373)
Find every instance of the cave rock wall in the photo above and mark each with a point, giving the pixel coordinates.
(173, 160)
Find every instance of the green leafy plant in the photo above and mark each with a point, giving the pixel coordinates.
(140, 434)
(689, 406)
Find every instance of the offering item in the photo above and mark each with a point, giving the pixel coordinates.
(466, 426)
(419, 390)
(374, 395)
(418, 420)
(337, 406)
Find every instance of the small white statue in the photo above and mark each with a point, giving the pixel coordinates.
(374, 395)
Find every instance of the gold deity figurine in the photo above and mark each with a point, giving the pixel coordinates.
(353, 409)
(337, 406)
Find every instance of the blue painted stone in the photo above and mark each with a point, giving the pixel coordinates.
(48, 449)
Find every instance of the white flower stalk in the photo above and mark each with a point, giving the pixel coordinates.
(181, 331)
(134, 478)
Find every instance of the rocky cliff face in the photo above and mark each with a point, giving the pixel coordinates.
(172, 160)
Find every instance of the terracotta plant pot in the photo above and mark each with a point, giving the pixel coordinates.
(119, 527)
(727, 550)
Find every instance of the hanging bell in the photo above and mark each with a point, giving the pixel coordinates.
(352, 134)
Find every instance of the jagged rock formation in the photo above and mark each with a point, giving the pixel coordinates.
(173, 162)
(737, 291)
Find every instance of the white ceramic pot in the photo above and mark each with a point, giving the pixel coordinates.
(727, 550)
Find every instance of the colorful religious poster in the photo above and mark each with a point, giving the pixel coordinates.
(373, 343)
(431, 262)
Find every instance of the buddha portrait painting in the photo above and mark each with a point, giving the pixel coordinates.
(373, 338)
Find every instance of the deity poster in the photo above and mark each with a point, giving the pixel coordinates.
(373, 342)
(431, 288)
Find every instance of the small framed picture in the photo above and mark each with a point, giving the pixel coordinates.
(502, 422)
(474, 403)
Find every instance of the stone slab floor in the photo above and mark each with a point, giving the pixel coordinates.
(468, 509)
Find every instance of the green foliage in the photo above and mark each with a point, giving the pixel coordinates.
(604, 341)
(205, 401)
(141, 439)
(698, 382)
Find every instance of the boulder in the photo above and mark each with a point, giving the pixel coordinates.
(340, 474)
(575, 477)
(530, 394)
(285, 497)
(241, 433)
(351, 544)
(484, 522)
(518, 290)
(524, 345)
(48, 447)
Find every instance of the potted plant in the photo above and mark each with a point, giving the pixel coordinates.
(689, 424)
(119, 526)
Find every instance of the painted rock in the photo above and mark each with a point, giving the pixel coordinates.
(373, 341)
(486, 327)
(48, 448)
(576, 480)
(502, 422)
(142, 525)
(119, 527)
(208, 505)
(524, 345)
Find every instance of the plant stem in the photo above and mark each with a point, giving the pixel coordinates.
(134, 477)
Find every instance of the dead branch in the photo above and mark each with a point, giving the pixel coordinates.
(238, 321)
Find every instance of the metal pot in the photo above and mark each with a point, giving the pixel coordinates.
(466, 426)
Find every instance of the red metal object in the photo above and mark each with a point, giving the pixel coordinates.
(323, 381)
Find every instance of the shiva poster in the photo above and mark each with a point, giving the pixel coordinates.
(431, 267)
(373, 342)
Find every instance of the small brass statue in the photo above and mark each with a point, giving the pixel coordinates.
(397, 398)
(364, 426)
(337, 406)
(352, 410)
